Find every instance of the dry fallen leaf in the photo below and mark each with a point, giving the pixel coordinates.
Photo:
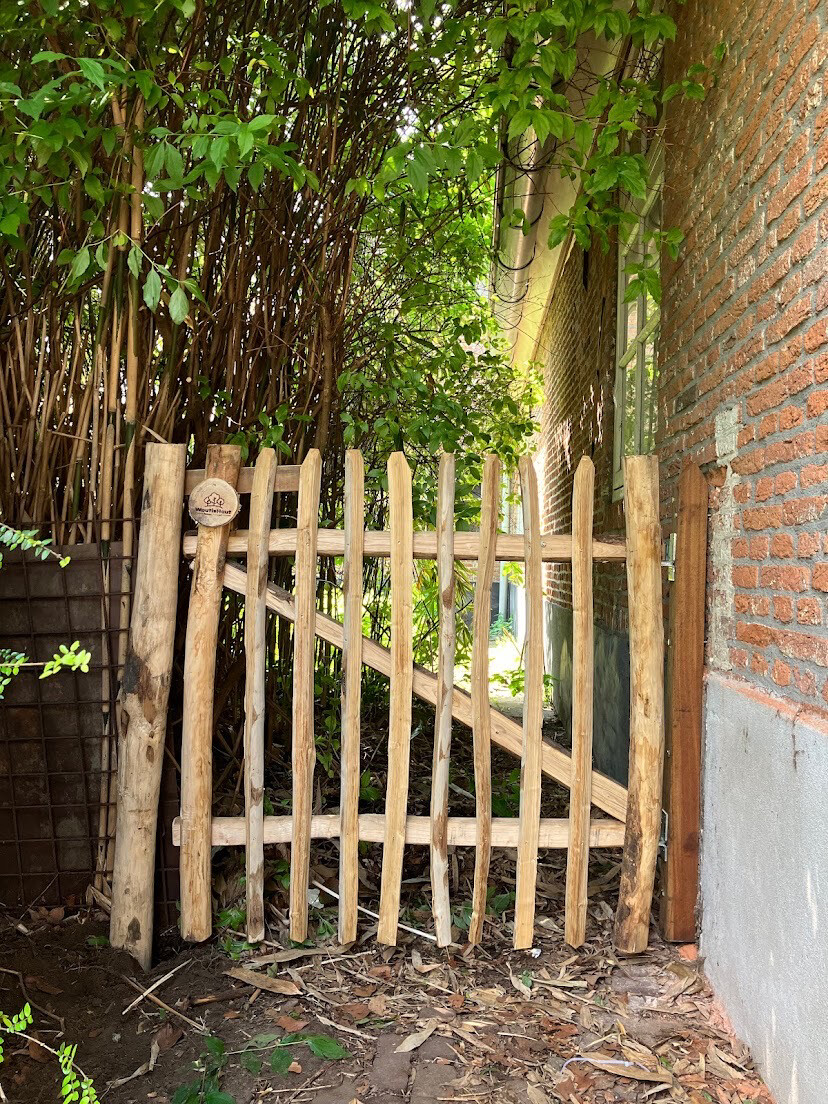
(622, 1068)
(42, 986)
(417, 1039)
(167, 1036)
(37, 1052)
(287, 1023)
(355, 1011)
(280, 986)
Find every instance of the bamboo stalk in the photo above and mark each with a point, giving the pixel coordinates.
(530, 766)
(481, 711)
(402, 662)
(580, 796)
(146, 693)
(255, 650)
(632, 919)
(197, 727)
(304, 750)
(351, 695)
(440, 903)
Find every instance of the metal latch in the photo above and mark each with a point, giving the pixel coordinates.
(669, 560)
(662, 843)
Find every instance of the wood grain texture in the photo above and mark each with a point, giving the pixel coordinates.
(460, 831)
(530, 767)
(287, 479)
(641, 506)
(580, 794)
(685, 663)
(223, 462)
(555, 547)
(446, 582)
(402, 663)
(146, 687)
(351, 695)
(481, 706)
(255, 658)
(607, 794)
(304, 746)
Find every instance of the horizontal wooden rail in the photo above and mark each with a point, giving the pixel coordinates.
(462, 831)
(555, 547)
(607, 794)
(287, 479)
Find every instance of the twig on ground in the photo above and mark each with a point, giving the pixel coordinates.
(155, 985)
(200, 1028)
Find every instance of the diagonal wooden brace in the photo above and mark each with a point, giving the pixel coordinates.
(607, 794)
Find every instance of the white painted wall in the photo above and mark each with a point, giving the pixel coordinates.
(764, 881)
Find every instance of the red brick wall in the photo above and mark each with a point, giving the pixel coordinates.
(745, 330)
(578, 352)
(744, 344)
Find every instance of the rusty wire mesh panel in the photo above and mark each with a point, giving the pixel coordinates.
(53, 784)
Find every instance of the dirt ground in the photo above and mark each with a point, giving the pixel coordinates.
(410, 1024)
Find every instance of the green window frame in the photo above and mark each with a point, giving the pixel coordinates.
(636, 362)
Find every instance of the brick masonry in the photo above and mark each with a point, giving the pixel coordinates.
(743, 351)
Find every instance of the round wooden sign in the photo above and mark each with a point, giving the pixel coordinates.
(213, 502)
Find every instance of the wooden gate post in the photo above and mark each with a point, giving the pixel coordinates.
(223, 462)
(684, 724)
(643, 826)
(146, 687)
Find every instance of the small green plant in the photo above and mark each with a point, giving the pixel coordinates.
(75, 1086)
(73, 657)
(205, 1089)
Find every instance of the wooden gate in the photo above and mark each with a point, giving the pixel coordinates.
(629, 818)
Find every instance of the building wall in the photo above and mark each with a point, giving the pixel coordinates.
(744, 341)
(743, 391)
(744, 355)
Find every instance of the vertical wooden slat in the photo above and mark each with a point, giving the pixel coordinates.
(255, 645)
(684, 724)
(351, 695)
(530, 766)
(223, 462)
(580, 792)
(632, 920)
(446, 579)
(146, 688)
(402, 677)
(304, 748)
(481, 705)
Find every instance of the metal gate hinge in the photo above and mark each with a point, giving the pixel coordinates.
(662, 843)
(669, 560)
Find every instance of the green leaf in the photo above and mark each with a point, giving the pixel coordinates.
(47, 55)
(179, 305)
(323, 1046)
(93, 71)
(187, 1094)
(152, 289)
(252, 1063)
(216, 1096)
(134, 261)
(281, 1060)
(80, 263)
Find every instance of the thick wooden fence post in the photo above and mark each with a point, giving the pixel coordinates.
(580, 792)
(304, 746)
(481, 705)
(255, 655)
(351, 695)
(223, 462)
(402, 675)
(641, 506)
(146, 686)
(684, 722)
(440, 901)
(530, 765)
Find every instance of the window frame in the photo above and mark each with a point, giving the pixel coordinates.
(648, 319)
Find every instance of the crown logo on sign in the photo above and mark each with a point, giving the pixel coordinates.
(214, 499)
